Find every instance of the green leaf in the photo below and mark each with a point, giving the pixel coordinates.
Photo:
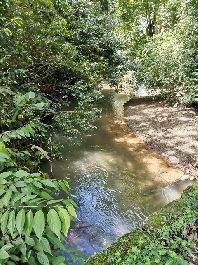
(54, 222)
(44, 245)
(55, 241)
(23, 249)
(42, 258)
(3, 254)
(38, 184)
(20, 221)
(29, 241)
(29, 223)
(39, 223)
(11, 263)
(58, 260)
(31, 94)
(11, 222)
(21, 174)
(54, 201)
(71, 210)
(70, 201)
(39, 105)
(37, 201)
(14, 257)
(17, 197)
(63, 186)
(49, 183)
(46, 195)
(65, 219)
(32, 261)
(3, 181)
(7, 246)
(29, 253)
(4, 157)
(18, 241)
(5, 174)
(4, 220)
(6, 198)
(7, 31)
(2, 191)
(20, 184)
(28, 198)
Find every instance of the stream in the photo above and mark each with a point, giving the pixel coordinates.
(110, 185)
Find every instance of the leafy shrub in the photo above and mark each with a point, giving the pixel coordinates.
(35, 212)
(32, 218)
(161, 39)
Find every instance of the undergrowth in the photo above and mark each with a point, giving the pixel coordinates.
(35, 212)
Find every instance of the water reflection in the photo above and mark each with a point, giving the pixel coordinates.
(110, 185)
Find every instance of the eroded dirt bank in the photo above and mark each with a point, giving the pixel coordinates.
(158, 170)
(171, 131)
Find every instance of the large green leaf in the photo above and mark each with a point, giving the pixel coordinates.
(39, 105)
(65, 219)
(7, 247)
(11, 222)
(31, 95)
(49, 183)
(29, 223)
(71, 210)
(23, 249)
(63, 185)
(46, 195)
(54, 222)
(17, 197)
(4, 157)
(32, 261)
(5, 200)
(2, 190)
(3, 254)
(29, 241)
(28, 198)
(39, 223)
(60, 260)
(44, 245)
(54, 240)
(20, 221)
(42, 258)
(5, 174)
(21, 174)
(4, 220)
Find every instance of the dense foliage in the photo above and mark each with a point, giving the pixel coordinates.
(161, 38)
(35, 211)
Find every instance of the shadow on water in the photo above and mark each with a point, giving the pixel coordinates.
(110, 186)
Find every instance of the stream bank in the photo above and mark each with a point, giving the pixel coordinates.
(170, 131)
(169, 237)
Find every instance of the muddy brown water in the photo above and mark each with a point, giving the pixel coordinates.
(116, 187)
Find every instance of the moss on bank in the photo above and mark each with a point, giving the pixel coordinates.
(169, 237)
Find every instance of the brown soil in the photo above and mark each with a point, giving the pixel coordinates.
(171, 131)
(159, 172)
